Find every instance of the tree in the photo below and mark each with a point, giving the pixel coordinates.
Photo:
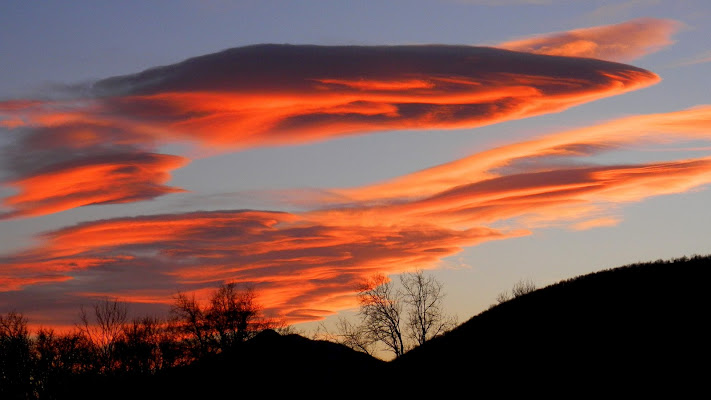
(192, 321)
(233, 314)
(355, 337)
(59, 357)
(523, 286)
(381, 311)
(385, 309)
(15, 357)
(349, 334)
(106, 329)
(139, 349)
(230, 317)
(426, 318)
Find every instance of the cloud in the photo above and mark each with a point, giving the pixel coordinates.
(297, 264)
(269, 95)
(541, 177)
(700, 58)
(306, 265)
(278, 94)
(537, 154)
(626, 41)
(103, 179)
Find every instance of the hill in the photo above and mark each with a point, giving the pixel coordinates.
(633, 327)
(266, 366)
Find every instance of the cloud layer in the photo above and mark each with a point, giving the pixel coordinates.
(305, 266)
(103, 146)
(274, 95)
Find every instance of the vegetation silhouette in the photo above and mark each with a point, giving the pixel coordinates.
(398, 318)
(631, 330)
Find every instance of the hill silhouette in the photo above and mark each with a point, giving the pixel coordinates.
(633, 328)
(268, 365)
(636, 329)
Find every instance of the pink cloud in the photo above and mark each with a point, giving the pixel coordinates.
(623, 42)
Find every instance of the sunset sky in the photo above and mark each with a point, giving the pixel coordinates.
(150, 147)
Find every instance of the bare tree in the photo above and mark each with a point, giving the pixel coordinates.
(139, 350)
(58, 357)
(523, 286)
(193, 321)
(381, 310)
(351, 335)
(231, 316)
(355, 336)
(105, 329)
(398, 317)
(15, 358)
(426, 317)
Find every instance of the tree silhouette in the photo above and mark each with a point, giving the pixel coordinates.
(139, 350)
(105, 329)
(15, 357)
(191, 321)
(523, 286)
(230, 317)
(233, 314)
(385, 308)
(381, 312)
(423, 295)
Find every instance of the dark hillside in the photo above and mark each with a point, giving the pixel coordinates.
(266, 366)
(639, 326)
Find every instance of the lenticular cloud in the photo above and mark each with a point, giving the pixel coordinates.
(270, 95)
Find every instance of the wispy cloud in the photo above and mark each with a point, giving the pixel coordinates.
(531, 155)
(701, 58)
(298, 264)
(626, 41)
(99, 179)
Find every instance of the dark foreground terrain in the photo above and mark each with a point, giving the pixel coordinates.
(632, 330)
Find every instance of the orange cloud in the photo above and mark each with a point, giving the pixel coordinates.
(275, 95)
(352, 90)
(630, 132)
(295, 263)
(537, 182)
(626, 41)
(117, 178)
(560, 196)
(15, 282)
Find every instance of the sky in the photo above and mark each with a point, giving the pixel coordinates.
(153, 147)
